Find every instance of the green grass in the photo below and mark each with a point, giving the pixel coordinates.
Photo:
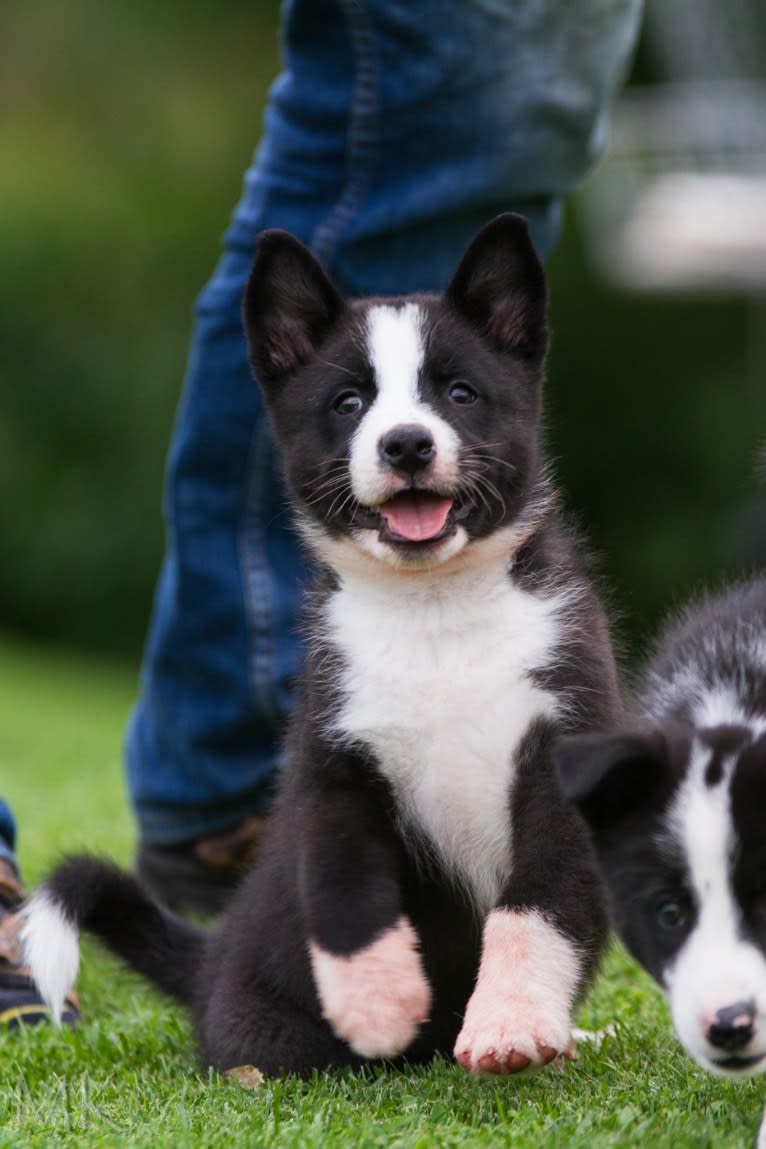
(128, 1076)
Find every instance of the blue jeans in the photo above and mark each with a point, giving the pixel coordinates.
(394, 131)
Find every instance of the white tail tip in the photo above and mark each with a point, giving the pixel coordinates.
(49, 946)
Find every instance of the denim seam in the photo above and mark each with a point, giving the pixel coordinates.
(361, 145)
(360, 152)
(259, 602)
(362, 133)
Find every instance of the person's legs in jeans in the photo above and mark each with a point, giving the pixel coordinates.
(393, 133)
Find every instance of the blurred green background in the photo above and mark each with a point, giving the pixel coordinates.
(124, 132)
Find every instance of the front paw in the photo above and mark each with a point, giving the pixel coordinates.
(376, 998)
(519, 1014)
(512, 1034)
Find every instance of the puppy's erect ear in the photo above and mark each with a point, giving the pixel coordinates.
(289, 308)
(499, 286)
(612, 776)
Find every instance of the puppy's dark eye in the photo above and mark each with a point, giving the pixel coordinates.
(349, 403)
(462, 394)
(671, 913)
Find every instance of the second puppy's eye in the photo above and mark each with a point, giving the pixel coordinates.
(462, 394)
(671, 913)
(349, 403)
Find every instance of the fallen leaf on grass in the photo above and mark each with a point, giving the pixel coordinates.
(247, 1075)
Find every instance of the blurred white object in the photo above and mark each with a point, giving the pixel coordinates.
(695, 228)
(679, 202)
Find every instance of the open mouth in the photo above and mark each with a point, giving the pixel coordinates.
(416, 517)
(413, 517)
(738, 1063)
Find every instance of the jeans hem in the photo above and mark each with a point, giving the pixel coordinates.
(188, 825)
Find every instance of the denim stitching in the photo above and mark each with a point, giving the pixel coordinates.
(362, 135)
(360, 152)
(259, 602)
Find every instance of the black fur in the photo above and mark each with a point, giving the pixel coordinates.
(625, 784)
(160, 945)
(337, 868)
(498, 350)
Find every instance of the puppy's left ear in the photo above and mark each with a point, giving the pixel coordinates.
(499, 286)
(290, 306)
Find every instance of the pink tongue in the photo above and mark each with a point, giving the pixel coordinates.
(416, 517)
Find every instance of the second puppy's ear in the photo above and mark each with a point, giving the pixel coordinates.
(609, 777)
(499, 286)
(290, 306)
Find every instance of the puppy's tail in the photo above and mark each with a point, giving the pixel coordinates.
(85, 893)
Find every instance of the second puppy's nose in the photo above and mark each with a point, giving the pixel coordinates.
(409, 448)
(733, 1027)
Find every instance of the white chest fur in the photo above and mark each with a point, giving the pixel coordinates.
(437, 682)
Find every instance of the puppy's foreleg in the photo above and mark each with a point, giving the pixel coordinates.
(519, 1015)
(542, 940)
(377, 997)
(364, 951)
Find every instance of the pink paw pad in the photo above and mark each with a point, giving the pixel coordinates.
(512, 1048)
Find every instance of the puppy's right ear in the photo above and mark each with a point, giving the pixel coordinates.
(289, 308)
(609, 777)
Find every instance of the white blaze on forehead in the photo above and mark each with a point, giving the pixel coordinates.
(701, 820)
(396, 350)
(395, 338)
(716, 966)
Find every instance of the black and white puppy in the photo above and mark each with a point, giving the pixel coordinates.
(424, 887)
(678, 813)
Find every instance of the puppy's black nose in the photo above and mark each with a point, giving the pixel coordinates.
(409, 448)
(733, 1026)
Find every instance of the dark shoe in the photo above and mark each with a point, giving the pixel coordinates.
(199, 876)
(20, 1003)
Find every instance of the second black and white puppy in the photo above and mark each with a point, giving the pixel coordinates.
(424, 888)
(678, 810)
